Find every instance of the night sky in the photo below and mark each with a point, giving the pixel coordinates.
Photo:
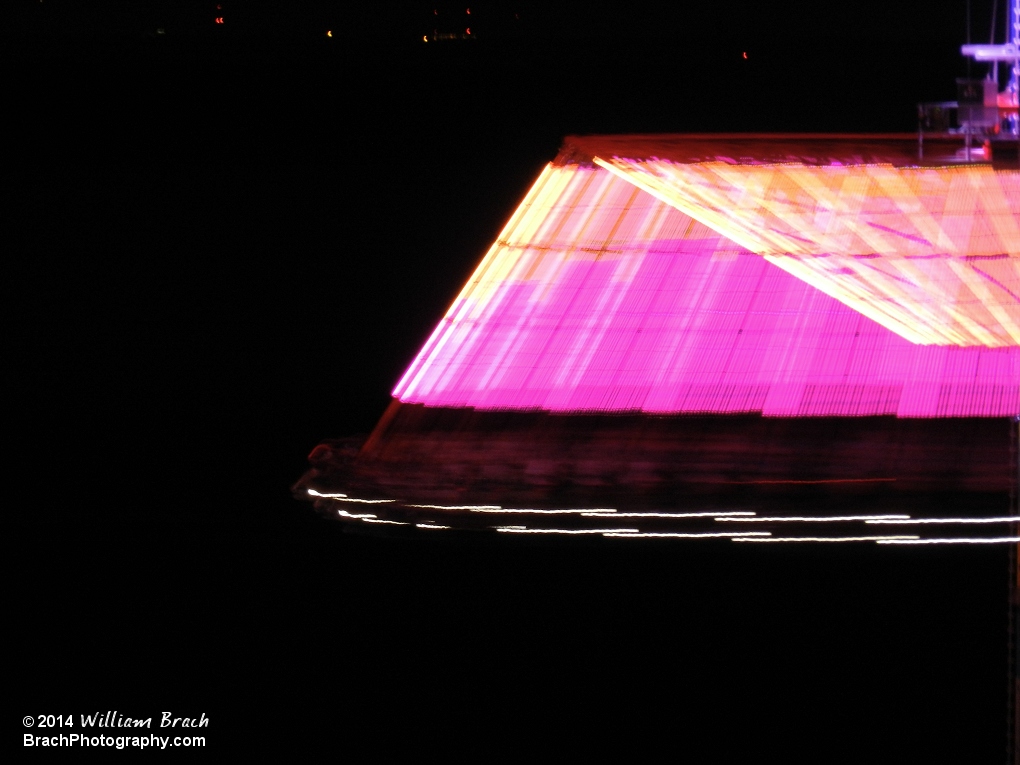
(225, 244)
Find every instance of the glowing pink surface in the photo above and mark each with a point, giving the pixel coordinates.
(600, 297)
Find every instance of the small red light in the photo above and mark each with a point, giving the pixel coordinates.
(468, 11)
(467, 31)
(745, 54)
(219, 19)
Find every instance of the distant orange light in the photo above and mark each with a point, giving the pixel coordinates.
(467, 31)
(425, 38)
(468, 11)
(329, 33)
(745, 54)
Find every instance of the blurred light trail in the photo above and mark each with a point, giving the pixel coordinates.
(692, 535)
(960, 541)
(345, 498)
(742, 513)
(1003, 519)
(477, 508)
(516, 530)
(814, 519)
(364, 501)
(879, 539)
(359, 516)
(539, 511)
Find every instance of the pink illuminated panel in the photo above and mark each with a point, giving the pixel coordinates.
(611, 291)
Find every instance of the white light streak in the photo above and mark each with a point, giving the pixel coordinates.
(879, 539)
(344, 498)
(314, 493)
(360, 516)
(961, 541)
(1003, 519)
(431, 526)
(679, 535)
(518, 530)
(539, 511)
(382, 520)
(814, 519)
(476, 508)
(668, 515)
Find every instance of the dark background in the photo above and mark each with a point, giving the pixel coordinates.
(225, 242)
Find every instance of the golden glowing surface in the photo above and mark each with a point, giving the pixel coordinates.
(930, 253)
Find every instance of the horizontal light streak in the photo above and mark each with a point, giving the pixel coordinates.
(518, 530)
(1003, 519)
(542, 511)
(477, 508)
(813, 519)
(957, 541)
(724, 516)
(365, 501)
(345, 514)
(690, 535)
(879, 539)
(671, 515)
(345, 498)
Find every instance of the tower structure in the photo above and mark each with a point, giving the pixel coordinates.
(1004, 119)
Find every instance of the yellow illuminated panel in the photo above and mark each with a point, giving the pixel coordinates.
(930, 253)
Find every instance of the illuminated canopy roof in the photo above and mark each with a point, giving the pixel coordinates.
(782, 275)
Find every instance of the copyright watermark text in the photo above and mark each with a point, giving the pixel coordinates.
(118, 742)
(125, 740)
